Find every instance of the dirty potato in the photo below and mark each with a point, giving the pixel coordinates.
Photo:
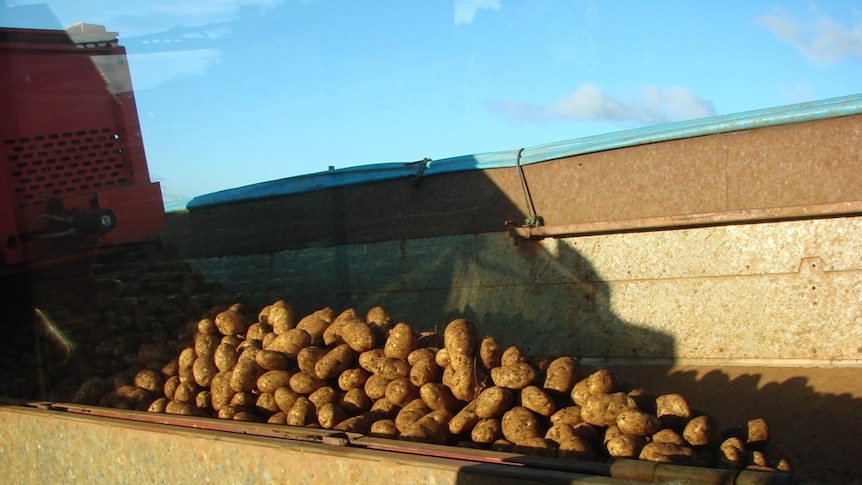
(561, 376)
(400, 342)
(514, 376)
(493, 402)
(537, 400)
(520, 425)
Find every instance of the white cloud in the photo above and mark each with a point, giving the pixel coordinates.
(820, 38)
(465, 10)
(589, 102)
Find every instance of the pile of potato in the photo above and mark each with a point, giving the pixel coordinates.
(368, 375)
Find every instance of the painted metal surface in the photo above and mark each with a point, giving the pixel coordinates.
(796, 113)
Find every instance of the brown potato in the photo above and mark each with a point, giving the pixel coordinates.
(305, 382)
(392, 368)
(159, 405)
(278, 418)
(603, 409)
(281, 317)
(464, 420)
(355, 401)
(285, 398)
(465, 383)
(181, 408)
(336, 361)
(513, 355)
(537, 400)
(425, 353)
(357, 424)
(225, 357)
(487, 431)
(353, 378)
(302, 413)
(384, 428)
(441, 358)
(493, 402)
(638, 423)
(204, 369)
(410, 413)
(324, 395)
(667, 453)
(731, 455)
(290, 342)
(244, 376)
(490, 353)
(401, 391)
(150, 380)
(307, 358)
(185, 392)
(265, 403)
(668, 435)
(461, 337)
(561, 376)
(332, 334)
(673, 411)
(315, 324)
(206, 343)
(358, 335)
(383, 409)
(431, 427)
(625, 446)
(272, 380)
(231, 322)
(514, 376)
(330, 414)
(701, 431)
(567, 415)
(257, 331)
(400, 342)
(437, 396)
(221, 391)
(368, 360)
(520, 426)
(207, 325)
(424, 371)
(375, 386)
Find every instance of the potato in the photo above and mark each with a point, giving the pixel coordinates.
(520, 425)
(731, 454)
(150, 380)
(603, 409)
(581, 392)
(536, 446)
(204, 369)
(537, 400)
(464, 420)
(701, 431)
(358, 335)
(185, 392)
(231, 322)
(514, 376)
(307, 358)
(332, 334)
(410, 413)
(302, 413)
(324, 395)
(493, 402)
(281, 317)
(673, 411)
(355, 401)
(159, 405)
(316, 323)
(285, 398)
(667, 453)
(232, 340)
(244, 376)
(424, 371)
(245, 399)
(643, 400)
(437, 396)
(401, 391)
(462, 361)
(638, 423)
(221, 391)
(392, 368)
(375, 386)
(368, 360)
(228, 412)
(181, 408)
(490, 353)
(400, 342)
(267, 339)
(335, 362)
(379, 317)
(383, 409)
(465, 383)
(384, 428)
(305, 382)
(460, 337)
(567, 415)
(353, 378)
(278, 418)
(561, 376)
(256, 331)
(625, 446)
(265, 403)
(206, 343)
(487, 431)
(207, 325)
(271, 380)
(425, 353)
(186, 359)
(357, 424)
(757, 434)
(291, 342)
(171, 368)
(432, 427)
(668, 436)
(576, 448)
(330, 414)
(513, 355)
(225, 357)
(441, 358)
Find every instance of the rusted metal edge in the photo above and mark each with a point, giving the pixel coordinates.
(687, 221)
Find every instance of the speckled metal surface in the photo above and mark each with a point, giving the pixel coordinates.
(785, 291)
(42, 446)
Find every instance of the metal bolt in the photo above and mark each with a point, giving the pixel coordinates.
(106, 221)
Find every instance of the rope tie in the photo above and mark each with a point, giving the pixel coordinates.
(533, 219)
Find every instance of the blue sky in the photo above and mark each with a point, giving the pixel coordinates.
(234, 92)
